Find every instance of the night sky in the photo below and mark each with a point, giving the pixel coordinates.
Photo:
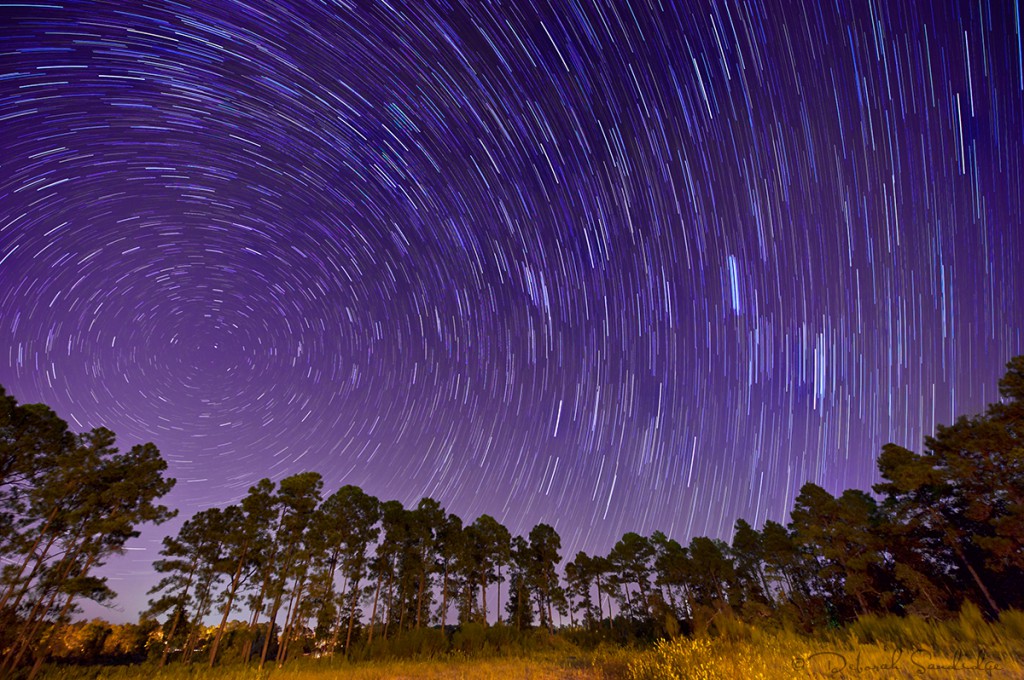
(609, 266)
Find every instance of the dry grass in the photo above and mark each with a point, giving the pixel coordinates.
(875, 648)
(568, 668)
(782, 658)
(491, 669)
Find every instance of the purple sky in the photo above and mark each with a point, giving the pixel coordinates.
(608, 266)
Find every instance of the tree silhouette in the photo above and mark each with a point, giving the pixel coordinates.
(246, 542)
(946, 527)
(111, 494)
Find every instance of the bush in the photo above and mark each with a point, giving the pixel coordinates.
(470, 639)
(425, 643)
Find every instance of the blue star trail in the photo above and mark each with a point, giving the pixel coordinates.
(611, 266)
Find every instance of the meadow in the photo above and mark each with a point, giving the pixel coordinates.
(872, 648)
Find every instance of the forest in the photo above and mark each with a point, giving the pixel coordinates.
(294, 571)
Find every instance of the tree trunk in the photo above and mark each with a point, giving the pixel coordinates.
(202, 607)
(235, 581)
(328, 595)
(483, 596)
(981, 585)
(285, 571)
(64, 568)
(861, 604)
(401, 612)
(59, 622)
(31, 627)
(28, 558)
(35, 619)
(177, 618)
(444, 597)
(336, 628)
(290, 619)
(253, 621)
(498, 610)
(352, 613)
(419, 595)
(373, 616)
(953, 542)
(390, 600)
(468, 598)
(290, 613)
(170, 636)
(645, 600)
(764, 584)
(274, 609)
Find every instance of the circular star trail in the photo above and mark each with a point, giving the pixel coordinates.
(612, 266)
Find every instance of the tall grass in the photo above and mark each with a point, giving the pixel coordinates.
(540, 668)
(873, 648)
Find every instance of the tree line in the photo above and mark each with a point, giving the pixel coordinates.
(346, 572)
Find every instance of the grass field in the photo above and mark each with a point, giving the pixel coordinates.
(684, 658)
(874, 648)
(436, 669)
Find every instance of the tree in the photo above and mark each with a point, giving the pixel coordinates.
(451, 546)
(920, 497)
(329, 534)
(541, 570)
(711, 572)
(246, 543)
(297, 497)
(579, 581)
(520, 564)
(354, 514)
(419, 555)
(748, 557)
(490, 543)
(964, 496)
(43, 467)
(630, 559)
(389, 563)
(671, 568)
(843, 537)
(782, 562)
(189, 562)
(604, 582)
(33, 441)
(118, 492)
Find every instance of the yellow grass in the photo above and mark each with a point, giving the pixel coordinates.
(782, 658)
(567, 667)
(874, 648)
(771, 657)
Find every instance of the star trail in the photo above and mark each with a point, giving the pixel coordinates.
(612, 266)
